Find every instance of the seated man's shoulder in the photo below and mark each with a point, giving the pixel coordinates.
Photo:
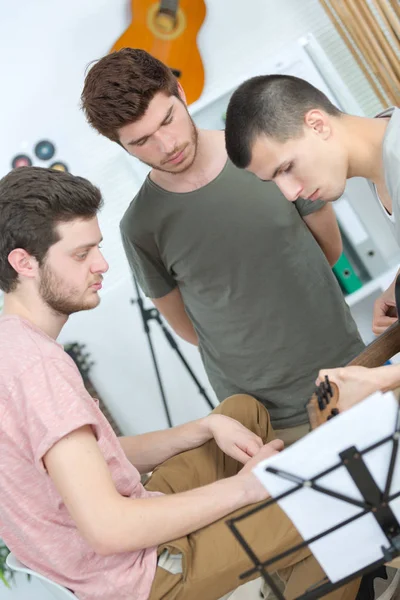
(22, 345)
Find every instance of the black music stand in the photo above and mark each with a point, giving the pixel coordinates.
(374, 502)
(150, 314)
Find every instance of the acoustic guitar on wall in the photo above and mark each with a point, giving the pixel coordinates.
(168, 29)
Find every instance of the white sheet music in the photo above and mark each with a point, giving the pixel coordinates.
(358, 544)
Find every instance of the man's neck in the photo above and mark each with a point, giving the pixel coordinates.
(365, 147)
(210, 159)
(36, 312)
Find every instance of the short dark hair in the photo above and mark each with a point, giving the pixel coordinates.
(33, 200)
(119, 88)
(273, 105)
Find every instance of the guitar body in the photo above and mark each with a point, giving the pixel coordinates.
(176, 46)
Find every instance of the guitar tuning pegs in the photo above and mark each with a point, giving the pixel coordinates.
(320, 397)
(328, 385)
(334, 412)
(324, 393)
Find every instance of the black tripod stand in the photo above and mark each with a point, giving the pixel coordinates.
(147, 315)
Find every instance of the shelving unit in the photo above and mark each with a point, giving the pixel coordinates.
(377, 285)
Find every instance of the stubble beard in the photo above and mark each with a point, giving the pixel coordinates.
(60, 298)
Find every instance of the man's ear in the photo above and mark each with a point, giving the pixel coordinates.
(23, 263)
(181, 92)
(318, 121)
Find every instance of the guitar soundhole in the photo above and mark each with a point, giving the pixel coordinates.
(176, 72)
(165, 25)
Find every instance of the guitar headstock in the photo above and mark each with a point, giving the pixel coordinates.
(323, 404)
(81, 358)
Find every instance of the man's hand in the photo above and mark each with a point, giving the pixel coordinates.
(356, 383)
(233, 438)
(385, 313)
(255, 488)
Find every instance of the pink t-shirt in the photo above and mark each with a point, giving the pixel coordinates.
(42, 398)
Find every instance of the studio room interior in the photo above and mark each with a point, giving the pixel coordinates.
(199, 296)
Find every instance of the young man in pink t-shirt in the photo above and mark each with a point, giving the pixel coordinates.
(72, 504)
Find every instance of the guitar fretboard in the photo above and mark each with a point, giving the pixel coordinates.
(81, 359)
(92, 391)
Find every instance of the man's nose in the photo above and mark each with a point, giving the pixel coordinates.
(166, 143)
(290, 189)
(100, 265)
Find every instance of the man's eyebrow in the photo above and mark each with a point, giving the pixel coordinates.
(88, 245)
(145, 137)
(275, 173)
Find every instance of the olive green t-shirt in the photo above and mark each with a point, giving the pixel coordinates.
(262, 297)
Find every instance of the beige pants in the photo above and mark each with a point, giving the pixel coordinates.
(212, 559)
(290, 435)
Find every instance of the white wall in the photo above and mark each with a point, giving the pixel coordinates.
(44, 48)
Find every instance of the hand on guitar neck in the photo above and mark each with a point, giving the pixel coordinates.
(352, 384)
(339, 389)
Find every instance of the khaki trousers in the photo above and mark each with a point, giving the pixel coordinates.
(290, 435)
(212, 558)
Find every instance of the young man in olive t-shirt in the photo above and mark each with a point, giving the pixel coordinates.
(232, 267)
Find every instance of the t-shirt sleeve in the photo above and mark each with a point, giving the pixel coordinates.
(148, 268)
(56, 403)
(307, 207)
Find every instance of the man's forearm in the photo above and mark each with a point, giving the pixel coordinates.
(135, 524)
(187, 332)
(148, 450)
(389, 377)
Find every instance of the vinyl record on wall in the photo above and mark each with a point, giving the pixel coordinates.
(21, 160)
(45, 150)
(59, 166)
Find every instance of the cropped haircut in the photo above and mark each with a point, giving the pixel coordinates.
(270, 105)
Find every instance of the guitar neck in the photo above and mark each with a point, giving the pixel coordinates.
(93, 392)
(380, 350)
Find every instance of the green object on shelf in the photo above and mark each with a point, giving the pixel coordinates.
(346, 276)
